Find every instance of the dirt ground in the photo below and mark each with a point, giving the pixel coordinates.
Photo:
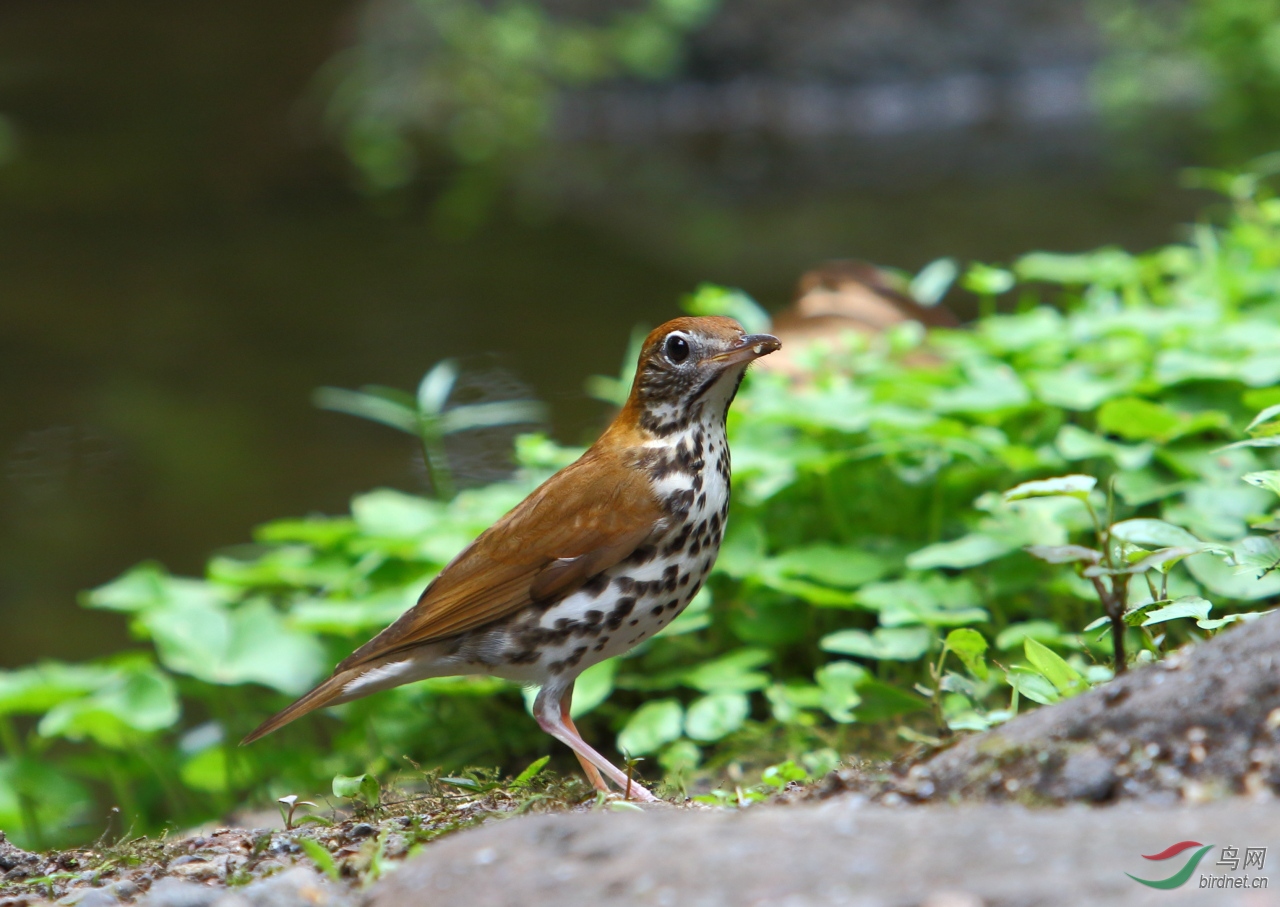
(1055, 807)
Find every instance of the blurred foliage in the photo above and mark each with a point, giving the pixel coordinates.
(1221, 56)
(873, 573)
(429, 416)
(478, 82)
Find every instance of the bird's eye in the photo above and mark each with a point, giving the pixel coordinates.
(677, 348)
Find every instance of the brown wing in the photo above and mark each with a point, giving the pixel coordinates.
(584, 519)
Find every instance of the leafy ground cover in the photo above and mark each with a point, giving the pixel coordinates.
(929, 532)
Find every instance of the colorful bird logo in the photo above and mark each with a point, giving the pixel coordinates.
(1181, 876)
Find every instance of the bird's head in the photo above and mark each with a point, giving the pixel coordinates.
(691, 366)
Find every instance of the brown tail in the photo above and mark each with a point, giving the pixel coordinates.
(324, 694)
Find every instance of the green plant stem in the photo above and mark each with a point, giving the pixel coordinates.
(1113, 603)
(436, 460)
(935, 670)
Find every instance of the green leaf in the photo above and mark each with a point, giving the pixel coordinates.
(884, 644)
(970, 647)
(493, 414)
(935, 601)
(731, 673)
(1065, 679)
(1154, 534)
(319, 855)
(782, 774)
(138, 701)
(1074, 443)
(367, 406)
(1075, 486)
(357, 787)
(37, 788)
(990, 387)
(1268, 479)
(743, 548)
(1144, 486)
(1044, 631)
(838, 682)
(37, 689)
(1135, 419)
(1188, 606)
(681, 756)
(967, 551)
(932, 282)
(1267, 415)
(650, 727)
(530, 772)
(1064, 554)
(1075, 386)
(435, 387)
(986, 280)
(787, 701)
(395, 514)
(710, 299)
(716, 715)
(882, 701)
(207, 771)
(1108, 267)
(247, 644)
(1032, 685)
(1218, 623)
(846, 568)
(593, 687)
(1227, 581)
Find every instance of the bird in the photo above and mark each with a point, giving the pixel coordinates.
(598, 558)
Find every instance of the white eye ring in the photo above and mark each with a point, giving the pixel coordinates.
(676, 348)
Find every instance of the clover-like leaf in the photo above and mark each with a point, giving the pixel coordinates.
(716, 715)
(653, 725)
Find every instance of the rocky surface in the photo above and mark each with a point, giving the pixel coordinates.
(1202, 724)
(842, 852)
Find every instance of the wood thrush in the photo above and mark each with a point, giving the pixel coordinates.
(597, 559)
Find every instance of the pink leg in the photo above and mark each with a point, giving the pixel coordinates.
(592, 773)
(546, 709)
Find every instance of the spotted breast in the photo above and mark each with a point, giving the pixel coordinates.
(600, 557)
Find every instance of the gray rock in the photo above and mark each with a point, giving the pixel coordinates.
(12, 858)
(175, 893)
(841, 852)
(1202, 724)
(89, 897)
(296, 887)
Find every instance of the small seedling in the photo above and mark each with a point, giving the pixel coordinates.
(287, 807)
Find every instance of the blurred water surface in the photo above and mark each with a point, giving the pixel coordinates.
(183, 259)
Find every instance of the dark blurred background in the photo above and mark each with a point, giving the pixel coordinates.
(208, 209)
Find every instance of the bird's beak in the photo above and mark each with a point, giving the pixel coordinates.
(749, 348)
